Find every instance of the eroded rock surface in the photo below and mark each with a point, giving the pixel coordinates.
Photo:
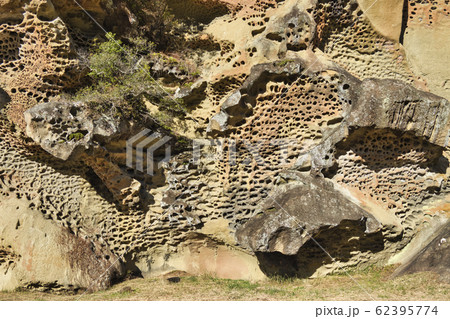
(37, 253)
(325, 104)
(435, 257)
(298, 213)
(67, 129)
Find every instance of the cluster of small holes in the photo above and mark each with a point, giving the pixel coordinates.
(297, 34)
(24, 176)
(7, 257)
(227, 56)
(37, 63)
(349, 39)
(354, 53)
(293, 111)
(331, 15)
(220, 89)
(255, 14)
(251, 51)
(62, 192)
(428, 12)
(206, 43)
(390, 168)
(287, 109)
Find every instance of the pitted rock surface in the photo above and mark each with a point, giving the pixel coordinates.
(295, 213)
(313, 103)
(67, 129)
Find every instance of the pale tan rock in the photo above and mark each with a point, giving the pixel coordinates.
(388, 158)
(426, 25)
(197, 258)
(37, 64)
(385, 16)
(428, 54)
(47, 254)
(124, 188)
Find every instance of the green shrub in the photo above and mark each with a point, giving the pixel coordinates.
(283, 63)
(76, 136)
(121, 78)
(155, 21)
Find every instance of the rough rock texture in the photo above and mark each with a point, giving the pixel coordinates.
(67, 129)
(325, 104)
(284, 221)
(428, 22)
(284, 224)
(37, 58)
(435, 257)
(396, 106)
(36, 252)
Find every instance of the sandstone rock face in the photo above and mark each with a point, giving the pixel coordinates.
(328, 108)
(37, 58)
(386, 16)
(285, 224)
(36, 252)
(67, 130)
(51, 206)
(435, 256)
(393, 105)
(427, 23)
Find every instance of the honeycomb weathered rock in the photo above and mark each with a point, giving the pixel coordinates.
(37, 62)
(297, 94)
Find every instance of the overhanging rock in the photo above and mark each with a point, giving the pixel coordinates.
(307, 224)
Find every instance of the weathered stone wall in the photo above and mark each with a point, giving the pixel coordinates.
(342, 90)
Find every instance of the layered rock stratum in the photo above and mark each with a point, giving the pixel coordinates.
(321, 131)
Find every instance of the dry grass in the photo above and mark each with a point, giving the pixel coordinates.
(420, 286)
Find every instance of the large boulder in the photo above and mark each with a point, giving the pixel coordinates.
(66, 130)
(393, 104)
(434, 256)
(294, 213)
(298, 218)
(37, 253)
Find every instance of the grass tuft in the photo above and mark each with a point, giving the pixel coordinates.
(376, 280)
